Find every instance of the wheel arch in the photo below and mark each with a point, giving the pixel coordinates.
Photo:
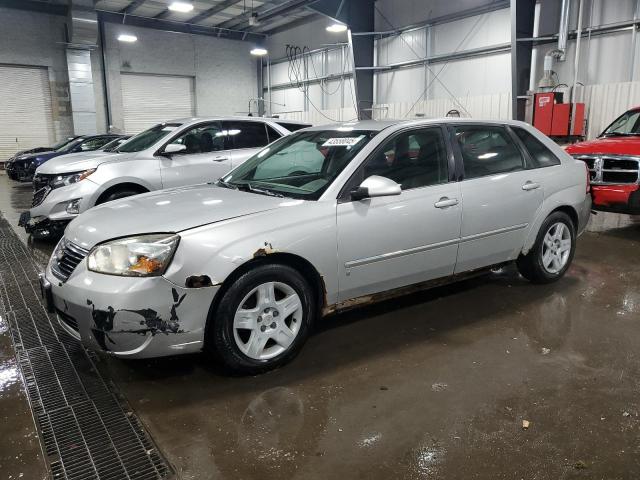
(121, 186)
(535, 228)
(298, 263)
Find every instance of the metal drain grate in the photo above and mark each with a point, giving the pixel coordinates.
(86, 433)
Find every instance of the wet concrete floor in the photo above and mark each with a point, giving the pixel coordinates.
(433, 385)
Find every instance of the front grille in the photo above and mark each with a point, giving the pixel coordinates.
(66, 258)
(612, 169)
(40, 195)
(41, 180)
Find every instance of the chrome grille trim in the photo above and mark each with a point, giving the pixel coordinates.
(65, 259)
(608, 169)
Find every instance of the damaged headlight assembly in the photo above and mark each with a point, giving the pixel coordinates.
(139, 256)
(70, 178)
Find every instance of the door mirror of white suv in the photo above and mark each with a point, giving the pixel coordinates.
(174, 148)
(376, 186)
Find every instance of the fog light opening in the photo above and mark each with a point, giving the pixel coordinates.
(73, 207)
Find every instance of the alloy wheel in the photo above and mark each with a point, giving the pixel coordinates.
(556, 248)
(267, 320)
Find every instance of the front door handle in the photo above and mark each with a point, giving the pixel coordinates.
(446, 202)
(529, 185)
(220, 158)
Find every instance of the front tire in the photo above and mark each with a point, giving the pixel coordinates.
(262, 320)
(117, 194)
(551, 255)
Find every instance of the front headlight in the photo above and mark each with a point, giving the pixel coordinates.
(69, 178)
(140, 256)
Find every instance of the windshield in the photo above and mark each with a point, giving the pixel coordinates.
(144, 140)
(62, 143)
(113, 144)
(625, 124)
(70, 145)
(301, 165)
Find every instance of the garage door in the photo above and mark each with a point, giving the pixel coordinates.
(26, 120)
(150, 99)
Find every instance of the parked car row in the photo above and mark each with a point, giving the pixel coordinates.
(176, 153)
(322, 219)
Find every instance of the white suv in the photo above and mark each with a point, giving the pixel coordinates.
(171, 154)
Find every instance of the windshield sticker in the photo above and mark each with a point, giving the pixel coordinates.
(169, 129)
(342, 142)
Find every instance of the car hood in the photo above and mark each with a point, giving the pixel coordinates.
(172, 210)
(30, 157)
(607, 145)
(78, 162)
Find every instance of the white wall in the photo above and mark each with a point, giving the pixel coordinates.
(457, 79)
(33, 39)
(225, 73)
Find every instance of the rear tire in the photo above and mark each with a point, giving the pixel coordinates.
(262, 320)
(552, 253)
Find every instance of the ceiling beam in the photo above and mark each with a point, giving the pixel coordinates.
(265, 14)
(33, 6)
(213, 11)
(293, 24)
(132, 7)
(176, 26)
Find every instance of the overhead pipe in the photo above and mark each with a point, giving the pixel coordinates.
(558, 53)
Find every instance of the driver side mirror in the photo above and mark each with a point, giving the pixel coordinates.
(174, 148)
(376, 186)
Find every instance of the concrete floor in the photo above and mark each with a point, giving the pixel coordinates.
(433, 385)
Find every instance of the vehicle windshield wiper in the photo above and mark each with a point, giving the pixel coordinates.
(621, 134)
(222, 183)
(247, 187)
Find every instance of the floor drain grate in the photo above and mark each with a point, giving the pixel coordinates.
(86, 433)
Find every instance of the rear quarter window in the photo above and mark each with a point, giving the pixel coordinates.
(540, 155)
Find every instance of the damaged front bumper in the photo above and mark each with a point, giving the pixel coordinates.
(42, 227)
(130, 317)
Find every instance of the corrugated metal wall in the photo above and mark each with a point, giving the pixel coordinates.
(606, 102)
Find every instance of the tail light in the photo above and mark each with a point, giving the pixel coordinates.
(588, 177)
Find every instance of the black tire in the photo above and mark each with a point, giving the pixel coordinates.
(531, 265)
(117, 194)
(220, 339)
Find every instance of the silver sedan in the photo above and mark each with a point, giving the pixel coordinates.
(324, 219)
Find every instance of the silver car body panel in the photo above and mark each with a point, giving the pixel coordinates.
(358, 248)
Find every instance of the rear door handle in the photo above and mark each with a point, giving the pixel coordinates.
(530, 186)
(446, 202)
(220, 158)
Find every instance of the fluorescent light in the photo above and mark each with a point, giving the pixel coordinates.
(124, 37)
(182, 7)
(258, 51)
(337, 28)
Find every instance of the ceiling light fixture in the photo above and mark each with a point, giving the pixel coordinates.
(182, 7)
(337, 28)
(258, 51)
(125, 37)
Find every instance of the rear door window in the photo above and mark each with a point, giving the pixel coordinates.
(487, 150)
(541, 156)
(246, 134)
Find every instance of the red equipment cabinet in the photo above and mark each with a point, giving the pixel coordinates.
(553, 118)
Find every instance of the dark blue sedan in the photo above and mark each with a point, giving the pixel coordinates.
(22, 167)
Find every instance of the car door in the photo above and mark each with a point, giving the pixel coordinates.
(205, 158)
(390, 242)
(500, 197)
(246, 138)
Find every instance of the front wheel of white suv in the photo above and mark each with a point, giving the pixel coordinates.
(552, 253)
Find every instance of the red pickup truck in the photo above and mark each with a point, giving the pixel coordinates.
(613, 160)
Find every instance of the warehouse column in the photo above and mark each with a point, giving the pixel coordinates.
(522, 15)
(359, 16)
